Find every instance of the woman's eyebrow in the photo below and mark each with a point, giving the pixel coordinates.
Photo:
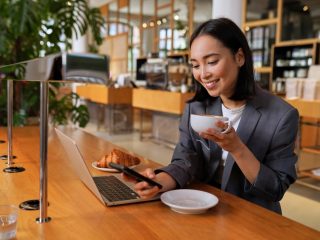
(205, 56)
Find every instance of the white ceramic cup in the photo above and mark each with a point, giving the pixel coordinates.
(200, 123)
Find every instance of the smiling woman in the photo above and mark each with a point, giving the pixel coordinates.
(253, 159)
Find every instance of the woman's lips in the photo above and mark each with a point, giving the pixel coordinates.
(211, 84)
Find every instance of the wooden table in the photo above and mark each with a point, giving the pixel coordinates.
(77, 214)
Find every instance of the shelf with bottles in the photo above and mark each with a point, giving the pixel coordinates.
(292, 60)
(297, 56)
(260, 40)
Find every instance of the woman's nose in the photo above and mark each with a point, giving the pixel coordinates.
(204, 73)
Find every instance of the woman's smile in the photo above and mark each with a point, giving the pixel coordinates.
(210, 85)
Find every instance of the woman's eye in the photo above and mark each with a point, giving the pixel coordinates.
(213, 62)
(195, 66)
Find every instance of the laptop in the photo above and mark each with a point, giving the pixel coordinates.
(111, 189)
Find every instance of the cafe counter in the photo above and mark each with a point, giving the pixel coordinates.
(109, 107)
(166, 109)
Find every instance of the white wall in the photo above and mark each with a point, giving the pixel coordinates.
(80, 45)
(228, 8)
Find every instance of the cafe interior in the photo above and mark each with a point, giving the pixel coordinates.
(117, 83)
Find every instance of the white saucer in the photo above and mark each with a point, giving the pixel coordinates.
(189, 201)
(106, 169)
(94, 165)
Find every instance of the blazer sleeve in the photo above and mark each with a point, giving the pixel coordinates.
(277, 169)
(184, 165)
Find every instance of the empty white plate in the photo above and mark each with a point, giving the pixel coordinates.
(106, 169)
(189, 201)
(94, 165)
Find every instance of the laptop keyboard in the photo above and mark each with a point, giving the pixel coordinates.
(113, 189)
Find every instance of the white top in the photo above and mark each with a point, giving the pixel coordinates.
(234, 116)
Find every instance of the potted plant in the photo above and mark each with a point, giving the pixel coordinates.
(34, 28)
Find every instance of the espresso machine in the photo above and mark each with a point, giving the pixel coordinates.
(155, 71)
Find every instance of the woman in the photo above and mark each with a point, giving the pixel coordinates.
(255, 160)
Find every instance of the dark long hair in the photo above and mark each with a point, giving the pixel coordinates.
(231, 36)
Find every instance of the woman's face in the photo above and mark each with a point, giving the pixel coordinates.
(214, 66)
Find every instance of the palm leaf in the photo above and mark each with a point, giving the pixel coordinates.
(97, 23)
(29, 28)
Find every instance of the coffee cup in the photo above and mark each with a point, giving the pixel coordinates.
(201, 123)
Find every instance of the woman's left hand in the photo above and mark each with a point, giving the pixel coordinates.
(231, 142)
(228, 141)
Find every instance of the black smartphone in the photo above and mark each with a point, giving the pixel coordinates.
(132, 173)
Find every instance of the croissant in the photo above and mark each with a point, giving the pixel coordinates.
(117, 156)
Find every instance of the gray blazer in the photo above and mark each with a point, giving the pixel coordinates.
(268, 127)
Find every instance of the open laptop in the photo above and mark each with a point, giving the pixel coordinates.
(111, 190)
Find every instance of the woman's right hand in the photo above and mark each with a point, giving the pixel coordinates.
(145, 190)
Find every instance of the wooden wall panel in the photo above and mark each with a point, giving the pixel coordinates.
(116, 47)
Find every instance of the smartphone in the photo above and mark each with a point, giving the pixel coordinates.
(132, 173)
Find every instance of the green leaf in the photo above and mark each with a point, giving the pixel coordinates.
(31, 27)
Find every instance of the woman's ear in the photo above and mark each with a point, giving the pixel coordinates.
(240, 59)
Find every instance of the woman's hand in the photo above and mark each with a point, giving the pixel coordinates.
(145, 190)
(228, 141)
(231, 142)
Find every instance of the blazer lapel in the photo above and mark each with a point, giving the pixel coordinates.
(248, 122)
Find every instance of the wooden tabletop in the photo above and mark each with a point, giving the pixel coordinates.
(77, 214)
